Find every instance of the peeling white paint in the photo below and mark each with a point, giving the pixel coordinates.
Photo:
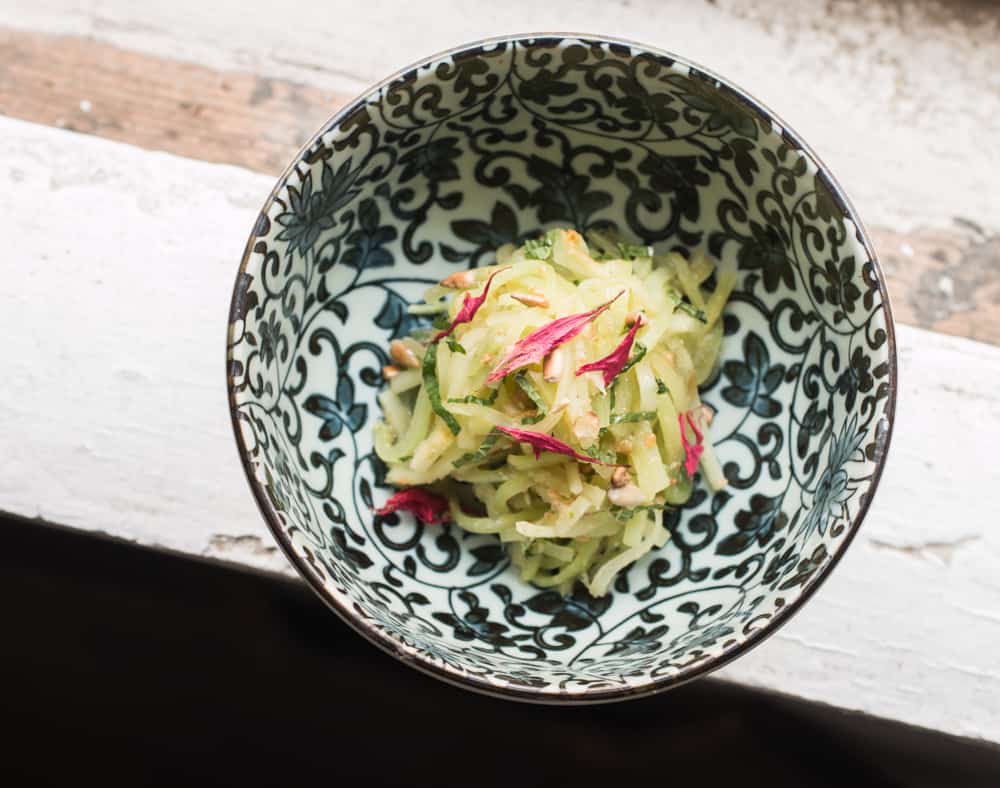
(939, 551)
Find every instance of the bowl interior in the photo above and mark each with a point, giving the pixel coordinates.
(488, 145)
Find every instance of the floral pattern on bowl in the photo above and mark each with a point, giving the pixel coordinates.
(489, 144)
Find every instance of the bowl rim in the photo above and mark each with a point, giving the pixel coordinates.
(413, 656)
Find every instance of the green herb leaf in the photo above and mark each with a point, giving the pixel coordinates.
(521, 379)
(538, 249)
(472, 399)
(607, 456)
(454, 346)
(422, 334)
(631, 418)
(661, 387)
(479, 454)
(634, 251)
(640, 351)
(441, 322)
(433, 389)
(680, 305)
(622, 514)
(422, 308)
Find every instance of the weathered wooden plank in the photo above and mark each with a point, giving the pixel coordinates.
(113, 417)
(946, 279)
(900, 97)
(224, 116)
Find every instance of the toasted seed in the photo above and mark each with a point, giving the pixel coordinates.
(707, 414)
(403, 355)
(389, 371)
(623, 446)
(627, 496)
(531, 299)
(636, 316)
(460, 280)
(553, 367)
(649, 440)
(620, 477)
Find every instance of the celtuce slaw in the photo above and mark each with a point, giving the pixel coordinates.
(556, 402)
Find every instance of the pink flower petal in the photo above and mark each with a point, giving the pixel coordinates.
(612, 363)
(470, 305)
(428, 508)
(692, 454)
(540, 442)
(542, 341)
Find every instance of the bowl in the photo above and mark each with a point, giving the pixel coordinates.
(491, 143)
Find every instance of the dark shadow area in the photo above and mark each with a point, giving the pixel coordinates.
(129, 666)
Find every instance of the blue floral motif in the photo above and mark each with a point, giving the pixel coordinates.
(754, 380)
(270, 337)
(313, 212)
(366, 245)
(475, 624)
(857, 378)
(438, 169)
(834, 488)
(639, 641)
(338, 413)
(766, 251)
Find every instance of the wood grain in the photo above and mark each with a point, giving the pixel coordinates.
(912, 144)
(82, 85)
(944, 279)
(113, 417)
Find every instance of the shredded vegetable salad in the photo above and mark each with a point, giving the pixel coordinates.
(555, 402)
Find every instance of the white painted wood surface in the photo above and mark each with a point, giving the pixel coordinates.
(117, 271)
(899, 97)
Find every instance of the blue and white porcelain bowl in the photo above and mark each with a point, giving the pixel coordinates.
(488, 144)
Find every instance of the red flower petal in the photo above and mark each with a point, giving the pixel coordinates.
(470, 305)
(612, 363)
(428, 508)
(540, 442)
(692, 454)
(542, 341)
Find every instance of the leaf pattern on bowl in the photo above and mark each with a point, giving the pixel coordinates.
(487, 146)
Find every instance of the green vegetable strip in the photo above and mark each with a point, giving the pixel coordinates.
(680, 305)
(624, 515)
(521, 379)
(631, 418)
(640, 351)
(539, 249)
(552, 513)
(481, 453)
(634, 251)
(472, 399)
(433, 389)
